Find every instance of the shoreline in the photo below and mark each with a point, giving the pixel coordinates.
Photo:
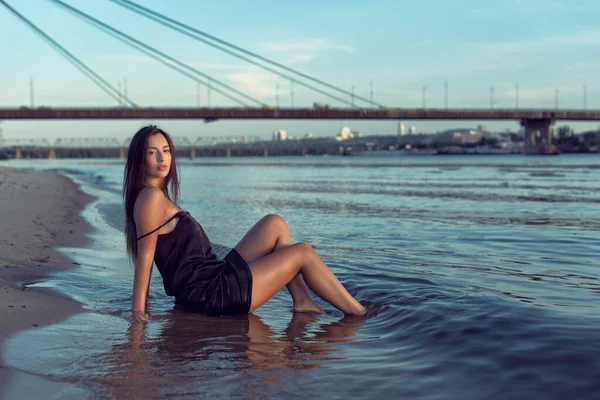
(39, 212)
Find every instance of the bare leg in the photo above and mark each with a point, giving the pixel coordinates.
(277, 269)
(271, 234)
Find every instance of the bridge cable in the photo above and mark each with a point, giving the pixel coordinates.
(97, 79)
(163, 61)
(98, 24)
(173, 24)
(198, 32)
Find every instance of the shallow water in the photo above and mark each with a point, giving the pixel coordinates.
(480, 274)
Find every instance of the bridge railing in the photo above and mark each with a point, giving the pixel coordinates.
(86, 142)
(29, 143)
(180, 142)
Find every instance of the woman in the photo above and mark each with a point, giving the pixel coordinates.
(259, 266)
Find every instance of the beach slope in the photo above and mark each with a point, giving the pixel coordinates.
(39, 211)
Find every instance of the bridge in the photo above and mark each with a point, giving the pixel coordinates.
(213, 114)
(111, 146)
(537, 123)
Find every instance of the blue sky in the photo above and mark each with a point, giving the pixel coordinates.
(400, 45)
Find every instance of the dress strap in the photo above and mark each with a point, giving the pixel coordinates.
(169, 220)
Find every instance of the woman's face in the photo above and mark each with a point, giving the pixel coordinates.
(158, 157)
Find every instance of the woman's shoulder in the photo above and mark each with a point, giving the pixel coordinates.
(150, 192)
(151, 201)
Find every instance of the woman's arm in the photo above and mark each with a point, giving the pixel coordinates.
(148, 214)
(143, 268)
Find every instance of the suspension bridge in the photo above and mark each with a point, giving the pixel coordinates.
(347, 105)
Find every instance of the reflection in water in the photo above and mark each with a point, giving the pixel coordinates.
(182, 353)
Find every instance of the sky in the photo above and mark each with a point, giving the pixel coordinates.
(400, 46)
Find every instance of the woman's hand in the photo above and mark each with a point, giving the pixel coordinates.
(139, 316)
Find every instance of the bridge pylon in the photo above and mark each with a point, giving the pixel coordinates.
(538, 136)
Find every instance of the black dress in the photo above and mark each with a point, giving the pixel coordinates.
(192, 272)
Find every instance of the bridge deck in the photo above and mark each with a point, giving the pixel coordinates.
(210, 114)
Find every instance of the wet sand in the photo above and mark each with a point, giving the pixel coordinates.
(39, 211)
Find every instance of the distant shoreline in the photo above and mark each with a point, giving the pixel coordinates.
(222, 153)
(280, 150)
(457, 143)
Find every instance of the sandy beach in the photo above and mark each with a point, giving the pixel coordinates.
(39, 211)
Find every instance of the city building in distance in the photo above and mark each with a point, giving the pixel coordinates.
(280, 135)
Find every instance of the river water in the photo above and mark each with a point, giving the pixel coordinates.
(480, 274)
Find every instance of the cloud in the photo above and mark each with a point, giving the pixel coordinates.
(589, 38)
(304, 50)
(259, 83)
(307, 46)
(204, 65)
(473, 57)
(138, 59)
(123, 58)
(255, 82)
(459, 64)
(299, 58)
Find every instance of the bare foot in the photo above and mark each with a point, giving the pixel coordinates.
(308, 306)
(359, 311)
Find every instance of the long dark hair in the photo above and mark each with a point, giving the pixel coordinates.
(135, 176)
